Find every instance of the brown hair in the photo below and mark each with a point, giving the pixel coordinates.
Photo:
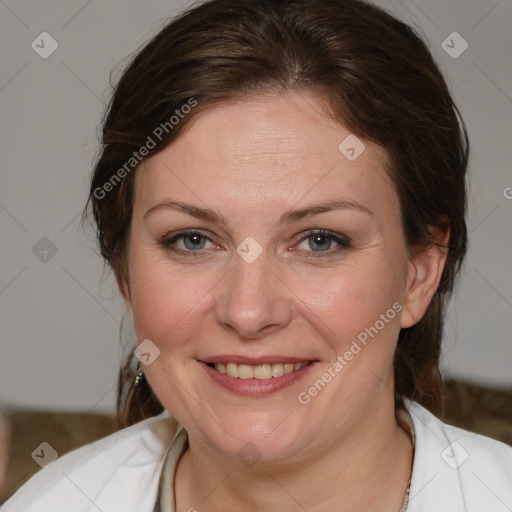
(378, 78)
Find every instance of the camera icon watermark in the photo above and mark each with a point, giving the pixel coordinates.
(454, 455)
(44, 250)
(454, 45)
(45, 454)
(249, 250)
(249, 454)
(44, 45)
(351, 147)
(146, 352)
(507, 193)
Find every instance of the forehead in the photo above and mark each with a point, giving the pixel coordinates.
(264, 152)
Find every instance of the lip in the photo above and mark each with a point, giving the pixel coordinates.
(257, 387)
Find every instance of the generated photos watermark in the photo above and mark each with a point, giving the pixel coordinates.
(304, 397)
(137, 156)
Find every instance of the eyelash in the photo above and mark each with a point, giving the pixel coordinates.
(343, 243)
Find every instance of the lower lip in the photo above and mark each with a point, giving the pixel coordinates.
(256, 387)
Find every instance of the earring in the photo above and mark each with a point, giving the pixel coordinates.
(140, 378)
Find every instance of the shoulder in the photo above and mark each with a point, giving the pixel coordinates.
(115, 473)
(456, 470)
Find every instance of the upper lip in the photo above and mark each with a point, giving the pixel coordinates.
(254, 361)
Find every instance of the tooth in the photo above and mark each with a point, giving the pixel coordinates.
(263, 371)
(245, 371)
(232, 369)
(288, 368)
(277, 370)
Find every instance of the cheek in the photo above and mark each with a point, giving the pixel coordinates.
(356, 309)
(165, 303)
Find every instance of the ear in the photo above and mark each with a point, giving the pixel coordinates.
(425, 268)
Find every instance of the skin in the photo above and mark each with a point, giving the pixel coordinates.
(250, 161)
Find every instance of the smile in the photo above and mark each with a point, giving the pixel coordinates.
(256, 380)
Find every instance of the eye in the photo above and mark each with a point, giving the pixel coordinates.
(315, 244)
(188, 242)
(323, 243)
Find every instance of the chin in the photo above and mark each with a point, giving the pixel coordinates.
(266, 437)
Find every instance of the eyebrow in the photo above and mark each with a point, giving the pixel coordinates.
(287, 217)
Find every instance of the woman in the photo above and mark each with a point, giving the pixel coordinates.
(281, 196)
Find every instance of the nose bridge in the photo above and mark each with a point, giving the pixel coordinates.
(253, 300)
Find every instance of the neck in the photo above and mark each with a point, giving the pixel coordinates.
(367, 468)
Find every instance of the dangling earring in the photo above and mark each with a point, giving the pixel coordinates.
(140, 378)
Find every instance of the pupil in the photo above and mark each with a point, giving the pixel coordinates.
(321, 242)
(194, 242)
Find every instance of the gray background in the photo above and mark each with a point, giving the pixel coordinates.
(59, 318)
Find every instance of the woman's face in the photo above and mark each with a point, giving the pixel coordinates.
(261, 237)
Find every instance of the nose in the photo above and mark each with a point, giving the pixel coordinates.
(253, 300)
